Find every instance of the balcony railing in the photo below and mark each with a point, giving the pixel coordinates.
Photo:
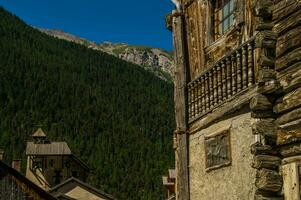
(229, 76)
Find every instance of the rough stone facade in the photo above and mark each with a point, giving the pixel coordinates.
(204, 184)
(247, 83)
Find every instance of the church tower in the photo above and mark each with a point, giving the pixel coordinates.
(50, 163)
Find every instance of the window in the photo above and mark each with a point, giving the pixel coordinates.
(57, 177)
(223, 17)
(37, 163)
(51, 162)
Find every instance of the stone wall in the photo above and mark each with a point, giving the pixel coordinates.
(233, 182)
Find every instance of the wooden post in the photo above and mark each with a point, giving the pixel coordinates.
(224, 81)
(238, 65)
(199, 86)
(291, 181)
(233, 60)
(211, 98)
(215, 86)
(203, 94)
(244, 68)
(207, 92)
(190, 101)
(182, 179)
(250, 64)
(219, 84)
(229, 74)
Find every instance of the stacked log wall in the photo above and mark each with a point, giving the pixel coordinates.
(267, 159)
(287, 106)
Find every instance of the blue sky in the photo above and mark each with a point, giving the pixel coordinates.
(137, 22)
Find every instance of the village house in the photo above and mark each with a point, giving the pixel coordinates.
(53, 167)
(50, 163)
(78, 190)
(169, 182)
(13, 185)
(237, 99)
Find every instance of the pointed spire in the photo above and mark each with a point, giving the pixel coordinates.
(39, 133)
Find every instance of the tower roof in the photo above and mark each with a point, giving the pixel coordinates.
(39, 133)
(53, 148)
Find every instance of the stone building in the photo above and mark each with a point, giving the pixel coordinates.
(50, 163)
(237, 99)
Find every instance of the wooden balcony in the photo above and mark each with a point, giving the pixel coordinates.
(227, 78)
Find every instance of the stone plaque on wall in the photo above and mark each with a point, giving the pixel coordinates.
(218, 150)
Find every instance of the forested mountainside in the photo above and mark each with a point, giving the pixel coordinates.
(155, 60)
(116, 116)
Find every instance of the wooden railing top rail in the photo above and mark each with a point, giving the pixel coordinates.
(227, 55)
(226, 78)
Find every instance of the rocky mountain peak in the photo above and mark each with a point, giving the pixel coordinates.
(155, 60)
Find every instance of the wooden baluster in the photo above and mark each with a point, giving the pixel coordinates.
(219, 83)
(193, 100)
(189, 101)
(233, 60)
(199, 110)
(211, 99)
(244, 68)
(203, 94)
(250, 64)
(207, 92)
(229, 82)
(224, 81)
(215, 96)
(238, 65)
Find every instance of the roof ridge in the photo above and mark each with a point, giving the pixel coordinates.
(83, 184)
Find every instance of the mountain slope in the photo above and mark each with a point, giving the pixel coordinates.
(154, 60)
(115, 116)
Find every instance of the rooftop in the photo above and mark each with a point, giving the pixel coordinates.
(53, 148)
(74, 183)
(39, 133)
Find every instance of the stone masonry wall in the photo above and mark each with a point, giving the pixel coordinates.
(234, 182)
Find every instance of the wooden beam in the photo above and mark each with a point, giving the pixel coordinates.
(180, 98)
(291, 181)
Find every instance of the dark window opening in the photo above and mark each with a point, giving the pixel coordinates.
(75, 174)
(51, 162)
(58, 177)
(37, 163)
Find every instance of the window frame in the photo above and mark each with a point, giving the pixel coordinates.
(219, 18)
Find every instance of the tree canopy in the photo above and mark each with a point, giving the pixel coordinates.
(115, 116)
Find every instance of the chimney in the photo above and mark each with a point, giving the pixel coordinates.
(1, 154)
(16, 164)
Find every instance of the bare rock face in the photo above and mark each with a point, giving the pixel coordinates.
(155, 60)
